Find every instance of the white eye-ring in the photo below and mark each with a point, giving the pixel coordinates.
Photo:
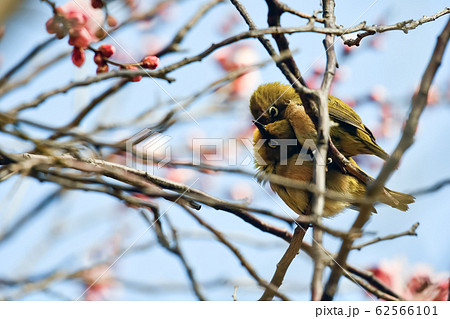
(273, 111)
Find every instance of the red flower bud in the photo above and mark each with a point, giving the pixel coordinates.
(107, 50)
(78, 56)
(150, 62)
(98, 59)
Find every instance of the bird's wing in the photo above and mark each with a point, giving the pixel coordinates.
(341, 112)
(344, 115)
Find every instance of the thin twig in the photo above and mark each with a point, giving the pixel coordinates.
(371, 289)
(140, 179)
(88, 108)
(175, 249)
(173, 46)
(73, 182)
(372, 280)
(29, 216)
(431, 189)
(44, 281)
(290, 10)
(9, 87)
(409, 232)
(404, 26)
(25, 60)
(88, 81)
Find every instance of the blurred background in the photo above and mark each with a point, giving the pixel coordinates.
(46, 231)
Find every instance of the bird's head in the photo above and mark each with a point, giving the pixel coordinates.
(268, 103)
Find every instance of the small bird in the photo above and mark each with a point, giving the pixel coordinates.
(274, 101)
(273, 162)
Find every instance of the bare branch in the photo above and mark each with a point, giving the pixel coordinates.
(88, 108)
(372, 280)
(29, 216)
(9, 87)
(431, 189)
(404, 26)
(288, 9)
(88, 81)
(25, 60)
(409, 232)
(276, 9)
(323, 137)
(162, 73)
(173, 46)
(371, 289)
(174, 249)
(140, 179)
(285, 262)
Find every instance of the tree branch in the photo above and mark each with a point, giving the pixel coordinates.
(409, 232)
(276, 9)
(320, 161)
(173, 46)
(285, 261)
(25, 60)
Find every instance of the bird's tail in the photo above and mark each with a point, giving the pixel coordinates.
(397, 200)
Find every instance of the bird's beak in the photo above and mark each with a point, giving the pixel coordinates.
(262, 129)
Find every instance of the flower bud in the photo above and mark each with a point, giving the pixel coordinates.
(78, 56)
(107, 50)
(150, 62)
(98, 59)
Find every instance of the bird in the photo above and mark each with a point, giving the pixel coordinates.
(271, 160)
(275, 101)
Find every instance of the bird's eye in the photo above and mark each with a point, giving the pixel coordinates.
(273, 111)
